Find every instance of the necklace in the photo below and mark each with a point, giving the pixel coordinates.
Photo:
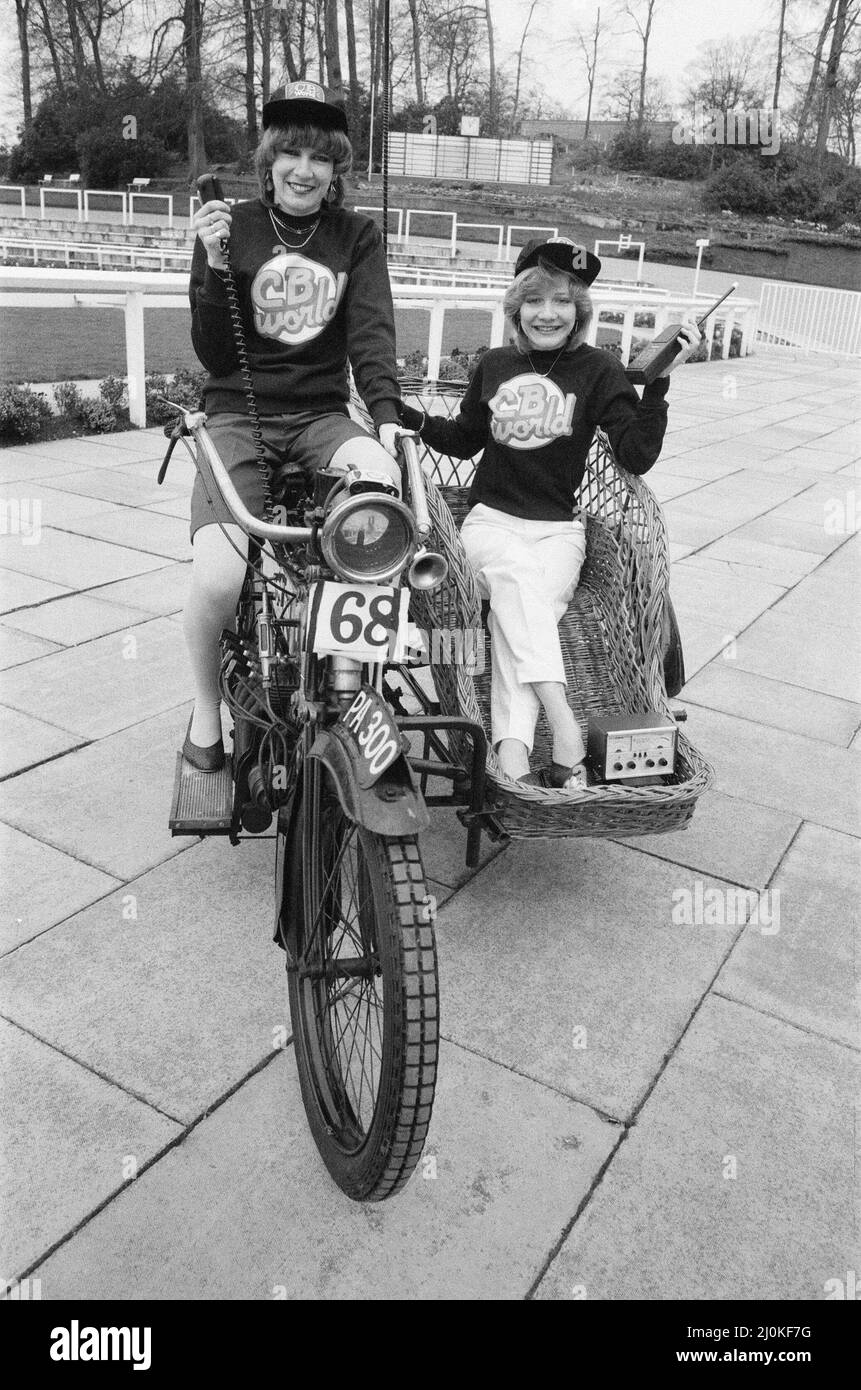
(291, 245)
(552, 364)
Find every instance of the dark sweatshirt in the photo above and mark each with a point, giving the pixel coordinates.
(535, 417)
(304, 311)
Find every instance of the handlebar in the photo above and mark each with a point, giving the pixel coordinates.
(194, 423)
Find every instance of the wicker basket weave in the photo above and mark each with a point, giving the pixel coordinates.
(610, 638)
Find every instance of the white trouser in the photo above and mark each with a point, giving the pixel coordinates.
(528, 570)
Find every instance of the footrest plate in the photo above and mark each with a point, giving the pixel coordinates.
(202, 801)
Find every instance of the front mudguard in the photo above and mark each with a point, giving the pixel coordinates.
(392, 806)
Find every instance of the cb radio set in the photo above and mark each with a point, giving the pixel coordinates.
(659, 353)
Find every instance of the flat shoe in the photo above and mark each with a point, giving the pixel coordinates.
(567, 778)
(209, 759)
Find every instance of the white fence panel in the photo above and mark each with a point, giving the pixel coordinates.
(809, 318)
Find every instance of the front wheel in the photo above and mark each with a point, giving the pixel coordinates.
(363, 993)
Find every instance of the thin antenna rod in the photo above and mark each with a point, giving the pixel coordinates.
(386, 55)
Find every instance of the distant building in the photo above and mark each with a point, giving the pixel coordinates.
(602, 132)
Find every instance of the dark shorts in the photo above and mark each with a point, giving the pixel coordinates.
(299, 443)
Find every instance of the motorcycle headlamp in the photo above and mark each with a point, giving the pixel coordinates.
(368, 537)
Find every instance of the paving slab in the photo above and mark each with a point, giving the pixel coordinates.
(732, 569)
(176, 1003)
(666, 486)
(24, 464)
(160, 591)
(794, 650)
(443, 849)
(107, 684)
(52, 506)
(66, 1136)
(18, 590)
(816, 505)
(707, 464)
(724, 686)
(116, 485)
(801, 966)
(177, 506)
(702, 641)
(733, 601)
(793, 535)
(802, 776)
(108, 803)
(19, 647)
(832, 605)
(845, 564)
(670, 1221)
(820, 459)
(690, 528)
(138, 530)
(261, 1219)
(727, 838)
(773, 563)
(574, 942)
(75, 619)
(25, 742)
(73, 561)
(40, 887)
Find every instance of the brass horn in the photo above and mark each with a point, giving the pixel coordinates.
(427, 570)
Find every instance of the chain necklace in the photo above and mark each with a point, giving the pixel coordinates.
(291, 245)
(552, 364)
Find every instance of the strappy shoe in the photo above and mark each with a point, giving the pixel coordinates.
(210, 759)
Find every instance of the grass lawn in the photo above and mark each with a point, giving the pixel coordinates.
(63, 344)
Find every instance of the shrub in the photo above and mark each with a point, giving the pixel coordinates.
(742, 187)
(97, 417)
(587, 155)
(631, 149)
(22, 412)
(186, 389)
(68, 399)
(113, 391)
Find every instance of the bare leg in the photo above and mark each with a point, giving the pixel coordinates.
(513, 757)
(216, 583)
(567, 738)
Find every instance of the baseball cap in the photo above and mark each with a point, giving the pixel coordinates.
(305, 101)
(561, 253)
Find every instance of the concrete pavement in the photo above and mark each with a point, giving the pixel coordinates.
(650, 1064)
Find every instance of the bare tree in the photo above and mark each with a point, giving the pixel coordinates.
(352, 66)
(809, 96)
(513, 122)
(589, 48)
(21, 14)
(192, 41)
(641, 12)
(781, 30)
(333, 47)
(78, 59)
(250, 102)
(837, 40)
(492, 99)
(46, 26)
(417, 51)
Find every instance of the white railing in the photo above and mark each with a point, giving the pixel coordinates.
(84, 254)
(809, 318)
(22, 287)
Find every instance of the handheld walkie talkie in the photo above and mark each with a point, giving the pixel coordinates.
(209, 190)
(659, 353)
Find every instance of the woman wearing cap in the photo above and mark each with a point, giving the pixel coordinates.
(314, 293)
(533, 408)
